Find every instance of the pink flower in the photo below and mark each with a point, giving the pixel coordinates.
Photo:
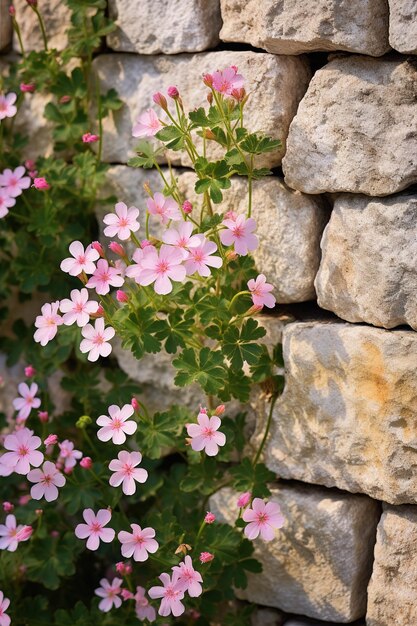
(143, 609)
(47, 323)
(23, 445)
(225, 81)
(209, 518)
(30, 371)
(90, 138)
(165, 207)
(260, 292)
(5, 202)
(171, 593)
(206, 557)
(263, 518)
(244, 499)
(200, 258)
(126, 594)
(239, 233)
(187, 207)
(81, 261)
(4, 605)
(86, 462)
(28, 400)
(7, 107)
(122, 222)
(41, 184)
(117, 425)
(161, 268)
(78, 309)
(96, 340)
(10, 534)
(147, 124)
(173, 92)
(205, 435)
(105, 276)
(94, 528)
(138, 543)
(189, 578)
(68, 454)
(181, 237)
(135, 270)
(27, 87)
(48, 479)
(125, 472)
(14, 181)
(110, 592)
(51, 440)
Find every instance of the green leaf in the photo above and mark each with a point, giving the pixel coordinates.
(168, 133)
(257, 144)
(252, 478)
(207, 369)
(239, 346)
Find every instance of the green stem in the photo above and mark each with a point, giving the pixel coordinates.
(267, 429)
(19, 36)
(236, 296)
(147, 225)
(42, 25)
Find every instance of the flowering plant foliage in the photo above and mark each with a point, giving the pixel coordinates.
(177, 276)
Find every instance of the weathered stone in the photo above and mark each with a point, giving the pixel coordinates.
(354, 129)
(347, 414)
(309, 622)
(369, 259)
(296, 26)
(6, 29)
(276, 84)
(392, 591)
(57, 19)
(167, 27)
(267, 617)
(403, 25)
(320, 561)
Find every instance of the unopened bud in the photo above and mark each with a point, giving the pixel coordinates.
(173, 92)
(64, 99)
(244, 499)
(206, 557)
(239, 94)
(83, 421)
(126, 594)
(68, 470)
(121, 296)
(30, 371)
(208, 134)
(117, 248)
(254, 309)
(43, 416)
(208, 80)
(125, 569)
(90, 138)
(209, 518)
(23, 500)
(210, 97)
(12, 11)
(147, 188)
(231, 255)
(41, 184)
(86, 462)
(39, 512)
(135, 404)
(27, 87)
(160, 100)
(8, 507)
(30, 164)
(98, 247)
(98, 313)
(187, 207)
(32, 3)
(220, 410)
(54, 534)
(51, 440)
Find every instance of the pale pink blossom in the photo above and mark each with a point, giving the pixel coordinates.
(147, 124)
(260, 289)
(225, 81)
(244, 499)
(96, 340)
(94, 529)
(68, 454)
(27, 401)
(27, 531)
(206, 557)
(110, 592)
(209, 518)
(47, 480)
(7, 106)
(238, 232)
(5, 470)
(4, 605)
(47, 323)
(165, 207)
(135, 270)
(116, 425)
(104, 277)
(143, 609)
(90, 138)
(205, 434)
(11, 534)
(81, 260)
(23, 453)
(161, 268)
(78, 309)
(263, 518)
(126, 594)
(171, 593)
(125, 471)
(181, 237)
(122, 222)
(189, 578)
(200, 258)
(14, 181)
(138, 543)
(6, 202)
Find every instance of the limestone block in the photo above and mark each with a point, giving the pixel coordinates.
(57, 19)
(403, 25)
(267, 617)
(392, 591)
(347, 414)
(354, 129)
(6, 29)
(276, 83)
(320, 561)
(369, 260)
(296, 26)
(167, 26)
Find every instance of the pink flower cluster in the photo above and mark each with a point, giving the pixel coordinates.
(12, 534)
(184, 579)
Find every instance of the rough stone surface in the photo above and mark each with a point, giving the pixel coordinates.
(267, 617)
(354, 129)
(276, 83)
(6, 29)
(321, 560)
(189, 25)
(347, 414)
(403, 25)
(296, 26)
(56, 16)
(392, 590)
(369, 259)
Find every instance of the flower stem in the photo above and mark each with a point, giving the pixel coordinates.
(267, 429)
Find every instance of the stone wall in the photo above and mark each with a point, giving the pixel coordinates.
(337, 83)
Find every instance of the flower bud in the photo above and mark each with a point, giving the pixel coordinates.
(30, 371)
(147, 188)
(32, 3)
(33, 173)
(12, 11)
(208, 134)
(220, 410)
(254, 309)
(64, 99)
(27, 87)
(43, 416)
(126, 594)
(39, 512)
(23, 500)
(98, 313)
(51, 440)
(68, 470)
(54, 534)
(99, 248)
(208, 80)
(206, 557)
(90, 138)
(30, 164)
(173, 92)
(210, 97)
(83, 421)
(187, 207)
(239, 94)
(231, 255)
(244, 499)
(209, 518)
(135, 404)
(125, 569)
(86, 462)
(117, 248)
(8, 507)
(121, 296)
(160, 100)
(41, 184)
